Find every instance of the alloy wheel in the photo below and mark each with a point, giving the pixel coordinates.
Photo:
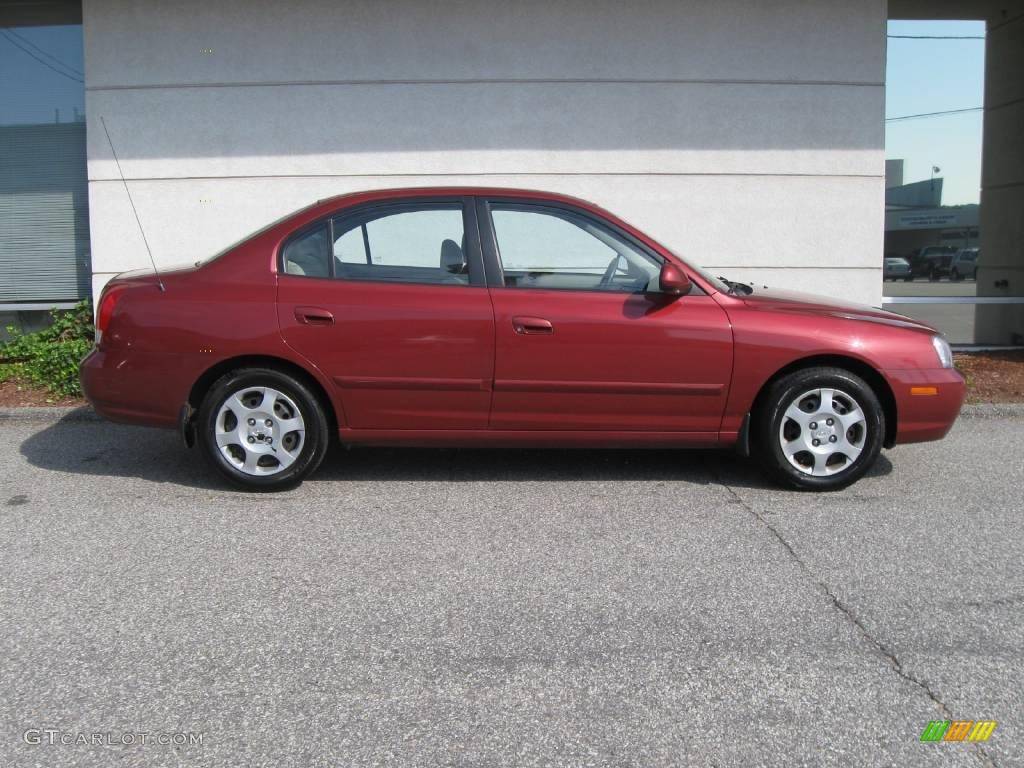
(260, 431)
(823, 431)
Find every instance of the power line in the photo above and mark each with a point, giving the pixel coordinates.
(936, 37)
(45, 63)
(41, 52)
(934, 114)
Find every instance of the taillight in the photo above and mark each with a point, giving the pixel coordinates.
(107, 303)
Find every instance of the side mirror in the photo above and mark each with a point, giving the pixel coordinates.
(673, 280)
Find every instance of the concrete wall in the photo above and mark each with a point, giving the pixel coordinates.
(747, 136)
(1001, 257)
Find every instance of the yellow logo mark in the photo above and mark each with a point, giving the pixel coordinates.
(982, 730)
(958, 730)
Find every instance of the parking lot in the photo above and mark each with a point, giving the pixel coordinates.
(956, 321)
(438, 607)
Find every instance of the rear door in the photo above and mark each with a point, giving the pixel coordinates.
(584, 338)
(389, 301)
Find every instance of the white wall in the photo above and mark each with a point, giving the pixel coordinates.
(747, 136)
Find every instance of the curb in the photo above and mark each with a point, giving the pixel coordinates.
(85, 413)
(50, 415)
(993, 411)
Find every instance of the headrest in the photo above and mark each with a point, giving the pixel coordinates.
(453, 260)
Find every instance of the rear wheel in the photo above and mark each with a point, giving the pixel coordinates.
(263, 429)
(819, 429)
(955, 276)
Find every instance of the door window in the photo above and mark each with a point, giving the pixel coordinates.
(414, 244)
(551, 248)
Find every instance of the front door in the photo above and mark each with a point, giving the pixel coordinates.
(389, 301)
(584, 339)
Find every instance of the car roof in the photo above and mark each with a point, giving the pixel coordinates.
(456, 191)
(327, 205)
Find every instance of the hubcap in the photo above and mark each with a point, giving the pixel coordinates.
(823, 432)
(260, 431)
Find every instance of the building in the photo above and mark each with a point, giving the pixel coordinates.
(747, 136)
(915, 217)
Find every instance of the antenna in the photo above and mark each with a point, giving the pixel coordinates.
(152, 261)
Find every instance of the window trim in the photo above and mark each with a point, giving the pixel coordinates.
(492, 259)
(470, 228)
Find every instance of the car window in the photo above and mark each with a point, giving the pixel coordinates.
(548, 248)
(307, 254)
(418, 244)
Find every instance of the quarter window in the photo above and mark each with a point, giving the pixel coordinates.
(546, 248)
(307, 254)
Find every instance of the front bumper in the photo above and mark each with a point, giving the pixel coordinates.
(927, 402)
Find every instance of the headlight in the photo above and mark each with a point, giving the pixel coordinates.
(943, 350)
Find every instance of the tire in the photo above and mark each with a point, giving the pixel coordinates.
(908, 279)
(802, 465)
(246, 412)
(955, 276)
(933, 276)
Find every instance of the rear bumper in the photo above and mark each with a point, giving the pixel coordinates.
(927, 402)
(129, 391)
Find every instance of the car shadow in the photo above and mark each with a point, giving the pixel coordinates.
(78, 445)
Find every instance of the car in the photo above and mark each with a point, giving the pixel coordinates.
(485, 317)
(896, 268)
(964, 264)
(932, 261)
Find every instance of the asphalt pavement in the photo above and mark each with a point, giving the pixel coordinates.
(519, 608)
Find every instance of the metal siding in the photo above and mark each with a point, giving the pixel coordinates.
(44, 213)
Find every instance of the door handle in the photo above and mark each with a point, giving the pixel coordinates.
(313, 316)
(532, 325)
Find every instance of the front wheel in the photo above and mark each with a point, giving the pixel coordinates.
(819, 429)
(263, 429)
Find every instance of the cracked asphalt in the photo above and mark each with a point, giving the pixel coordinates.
(469, 607)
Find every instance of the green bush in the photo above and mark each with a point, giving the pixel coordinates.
(50, 357)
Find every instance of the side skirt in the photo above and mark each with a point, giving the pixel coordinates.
(498, 438)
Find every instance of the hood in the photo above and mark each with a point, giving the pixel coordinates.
(810, 304)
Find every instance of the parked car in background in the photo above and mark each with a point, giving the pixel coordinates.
(964, 264)
(896, 268)
(931, 261)
(497, 317)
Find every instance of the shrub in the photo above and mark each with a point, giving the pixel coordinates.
(50, 357)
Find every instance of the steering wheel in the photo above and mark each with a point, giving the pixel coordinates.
(609, 273)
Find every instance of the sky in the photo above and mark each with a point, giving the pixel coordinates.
(31, 90)
(931, 76)
(921, 76)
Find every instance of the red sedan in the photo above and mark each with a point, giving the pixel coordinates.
(497, 317)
